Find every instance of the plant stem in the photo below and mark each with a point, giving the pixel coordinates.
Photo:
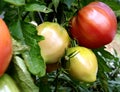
(40, 16)
(23, 18)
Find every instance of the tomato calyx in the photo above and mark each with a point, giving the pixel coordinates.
(72, 54)
(66, 59)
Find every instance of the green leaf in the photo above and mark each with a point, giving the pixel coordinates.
(43, 84)
(85, 2)
(18, 47)
(22, 77)
(102, 57)
(29, 37)
(55, 3)
(114, 82)
(16, 30)
(117, 13)
(2, 5)
(32, 57)
(16, 2)
(37, 7)
(69, 3)
(113, 4)
(105, 54)
(103, 65)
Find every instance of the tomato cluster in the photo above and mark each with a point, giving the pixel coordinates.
(93, 27)
(56, 44)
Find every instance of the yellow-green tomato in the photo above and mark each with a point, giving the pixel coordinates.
(82, 64)
(55, 42)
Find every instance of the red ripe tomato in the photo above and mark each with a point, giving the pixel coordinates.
(94, 26)
(5, 47)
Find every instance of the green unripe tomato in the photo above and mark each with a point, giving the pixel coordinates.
(7, 84)
(55, 42)
(82, 64)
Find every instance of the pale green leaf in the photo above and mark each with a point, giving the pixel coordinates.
(27, 35)
(55, 3)
(16, 2)
(37, 7)
(68, 3)
(22, 76)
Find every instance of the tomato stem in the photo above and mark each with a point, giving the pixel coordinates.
(74, 43)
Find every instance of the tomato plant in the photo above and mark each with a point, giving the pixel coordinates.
(56, 40)
(94, 26)
(5, 47)
(28, 68)
(82, 63)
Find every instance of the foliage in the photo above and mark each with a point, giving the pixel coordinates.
(20, 15)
